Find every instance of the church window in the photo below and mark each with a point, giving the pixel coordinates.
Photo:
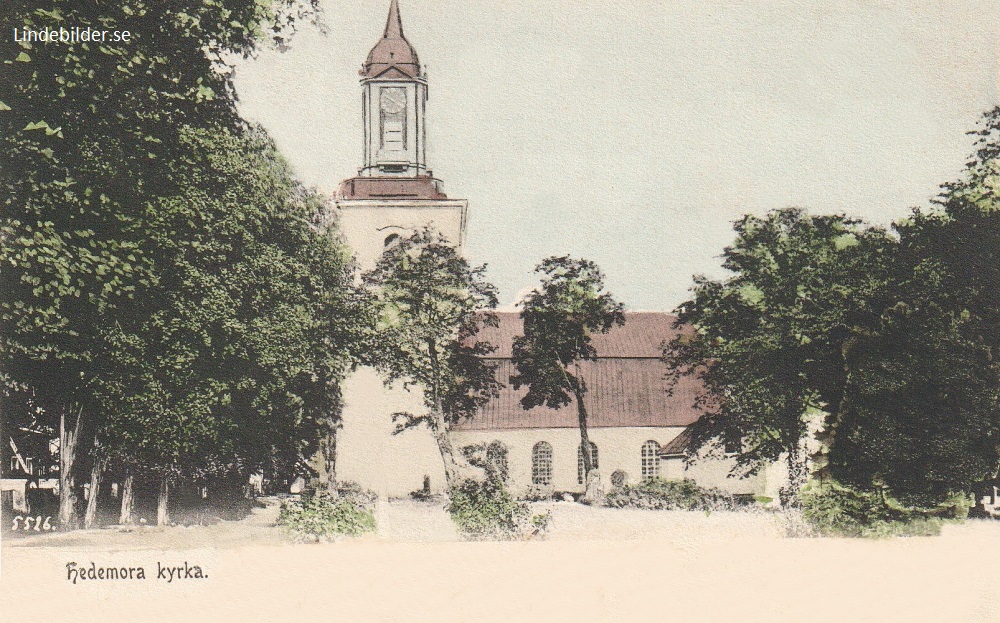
(579, 460)
(541, 464)
(650, 459)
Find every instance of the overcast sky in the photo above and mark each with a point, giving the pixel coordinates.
(634, 133)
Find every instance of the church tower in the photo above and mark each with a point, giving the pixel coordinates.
(394, 193)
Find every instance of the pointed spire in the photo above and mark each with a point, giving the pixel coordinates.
(393, 25)
(392, 54)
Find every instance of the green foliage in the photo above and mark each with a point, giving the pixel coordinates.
(112, 114)
(922, 408)
(768, 342)
(559, 318)
(429, 305)
(485, 510)
(231, 362)
(922, 413)
(490, 457)
(160, 267)
(538, 493)
(540, 523)
(321, 516)
(661, 494)
(836, 510)
(893, 341)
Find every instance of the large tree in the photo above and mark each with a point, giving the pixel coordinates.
(430, 304)
(923, 415)
(769, 342)
(559, 319)
(233, 363)
(99, 147)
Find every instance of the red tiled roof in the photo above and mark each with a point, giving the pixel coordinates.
(641, 336)
(625, 384)
(678, 445)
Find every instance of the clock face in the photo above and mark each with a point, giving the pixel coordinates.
(393, 100)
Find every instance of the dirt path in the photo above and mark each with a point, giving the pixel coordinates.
(257, 528)
(575, 522)
(401, 521)
(411, 521)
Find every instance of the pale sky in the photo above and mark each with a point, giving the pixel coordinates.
(634, 133)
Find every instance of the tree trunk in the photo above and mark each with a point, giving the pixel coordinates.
(329, 448)
(162, 515)
(827, 436)
(67, 459)
(96, 474)
(439, 428)
(798, 474)
(453, 470)
(592, 485)
(128, 499)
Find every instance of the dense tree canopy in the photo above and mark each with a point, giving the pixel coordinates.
(769, 341)
(162, 272)
(887, 343)
(924, 411)
(239, 341)
(429, 305)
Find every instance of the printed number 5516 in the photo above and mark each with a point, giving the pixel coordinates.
(32, 523)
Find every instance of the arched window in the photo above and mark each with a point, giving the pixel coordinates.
(579, 460)
(541, 464)
(391, 238)
(650, 459)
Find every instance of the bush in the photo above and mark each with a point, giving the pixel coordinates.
(660, 494)
(491, 457)
(322, 516)
(538, 493)
(541, 522)
(486, 510)
(836, 510)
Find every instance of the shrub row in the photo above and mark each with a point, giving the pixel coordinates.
(835, 510)
(485, 510)
(319, 515)
(660, 494)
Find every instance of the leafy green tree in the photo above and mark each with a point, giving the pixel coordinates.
(429, 306)
(769, 342)
(244, 337)
(923, 418)
(559, 318)
(94, 140)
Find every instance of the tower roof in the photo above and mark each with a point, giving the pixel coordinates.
(392, 56)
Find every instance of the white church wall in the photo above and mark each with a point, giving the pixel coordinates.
(715, 472)
(618, 449)
(365, 224)
(367, 451)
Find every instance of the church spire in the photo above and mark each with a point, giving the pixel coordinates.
(393, 25)
(392, 56)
